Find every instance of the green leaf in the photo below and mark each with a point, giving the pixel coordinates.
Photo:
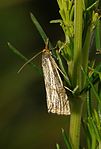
(66, 140)
(98, 35)
(92, 86)
(40, 29)
(15, 51)
(57, 146)
(56, 21)
(87, 133)
(96, 125)
(93, 5)
(89, 106)
(63, 68)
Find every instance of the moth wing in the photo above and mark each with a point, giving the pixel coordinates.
(57, 100)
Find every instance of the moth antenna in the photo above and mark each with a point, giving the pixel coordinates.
(47, 44)
(29, 61)
(46, 47)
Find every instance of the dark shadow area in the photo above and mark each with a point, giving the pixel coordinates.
(24, 121)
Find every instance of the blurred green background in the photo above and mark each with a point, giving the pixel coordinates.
(24, 121)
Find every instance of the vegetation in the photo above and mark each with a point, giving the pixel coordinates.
(80, 22)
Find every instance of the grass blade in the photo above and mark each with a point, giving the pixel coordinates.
(15, 51)
(92, 86)
(98, 35)
(40, 29)
(66, 140)
(57, 146)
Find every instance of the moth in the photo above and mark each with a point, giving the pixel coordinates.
(57, 99)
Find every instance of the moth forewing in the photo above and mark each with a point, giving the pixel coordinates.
(57, 99)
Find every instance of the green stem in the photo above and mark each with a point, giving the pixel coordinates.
(77, 44)
(93, 142)
(75, 121)
(85, 54)
(100, 145)
(98, 35)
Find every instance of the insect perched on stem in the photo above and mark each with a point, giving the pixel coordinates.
(57, 99)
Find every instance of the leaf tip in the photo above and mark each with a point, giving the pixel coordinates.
(8, 43)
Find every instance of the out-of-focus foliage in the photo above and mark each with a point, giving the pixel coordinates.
(24, 122)
(6, 3)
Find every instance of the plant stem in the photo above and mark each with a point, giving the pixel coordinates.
(85, 54)
(76, 74)
(100, 145)
(98, 33)
(93, 142)
(75, 121)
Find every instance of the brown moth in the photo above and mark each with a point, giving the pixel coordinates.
(57, 99)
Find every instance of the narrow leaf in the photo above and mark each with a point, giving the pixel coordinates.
(15, 51)
(98, 35)
(66, 140)
(57, 146)
(40, 29)
(92, 86)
